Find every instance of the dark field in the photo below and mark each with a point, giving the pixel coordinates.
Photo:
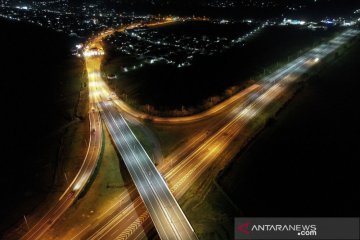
(305, 163)
(39, 91)
(168, 87)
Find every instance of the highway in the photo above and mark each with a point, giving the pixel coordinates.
(180, 177)
(78, 183)
(129, 218)
(215, 110)
(167, 216)
(223, 106)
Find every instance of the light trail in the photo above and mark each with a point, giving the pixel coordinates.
(167, 216)
(196, 159)
(121, 220)
(79, 182)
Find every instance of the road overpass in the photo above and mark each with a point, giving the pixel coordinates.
(167, 216)
(128, 219)
(288, 73)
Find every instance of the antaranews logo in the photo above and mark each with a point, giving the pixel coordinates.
(296, 228)
(300, 230)
(244, 228)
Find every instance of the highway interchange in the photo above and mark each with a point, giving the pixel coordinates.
(79, 182)
(133, 214)
(202, 155)
(203, 150)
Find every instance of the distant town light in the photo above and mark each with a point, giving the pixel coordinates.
(293, 22)
(79, 46)
(22, 7)
(93, 52)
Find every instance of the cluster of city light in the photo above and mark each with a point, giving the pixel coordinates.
(93, 52)
(292, 22)
(160, 43)
(135, 67)
(191, 50)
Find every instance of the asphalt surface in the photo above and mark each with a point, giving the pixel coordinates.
(129, 219)
(76, 186)
(165, 213)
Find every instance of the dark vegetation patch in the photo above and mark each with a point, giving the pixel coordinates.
(40, 86)
(304, 162)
